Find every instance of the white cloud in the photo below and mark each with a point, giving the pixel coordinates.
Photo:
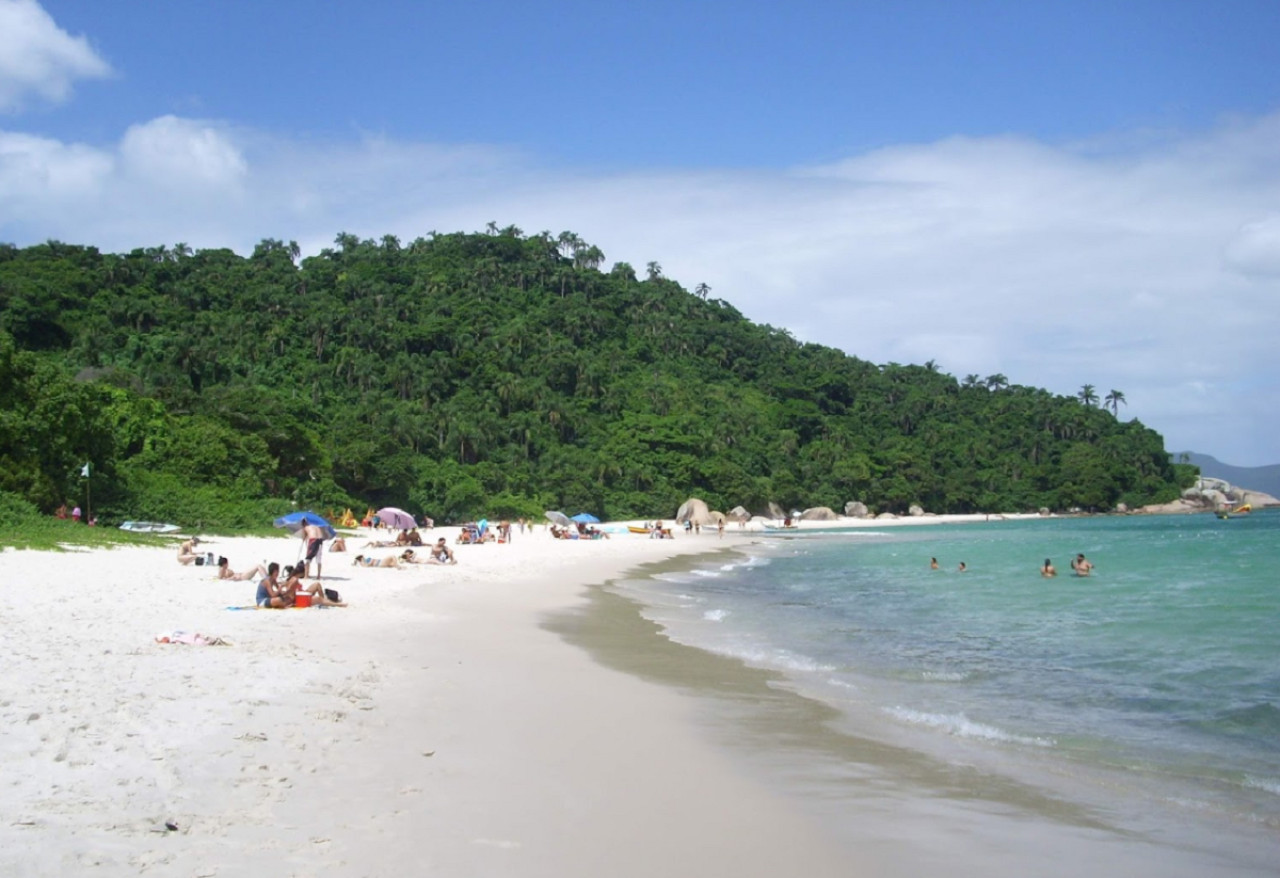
(37, 169)
(1149, 268)
(179, 155)
(1255, 249)
(38, 57)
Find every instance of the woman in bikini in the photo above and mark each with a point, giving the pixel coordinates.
(225, 571)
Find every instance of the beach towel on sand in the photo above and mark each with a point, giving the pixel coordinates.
(194, 639)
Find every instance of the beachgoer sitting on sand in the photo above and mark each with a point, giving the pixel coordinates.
(441, 553)
(225, 571)
(370, 561)
(1048, 569)
(268, 594)
(320, 597)
(660, 533)
(187, 551)
(293, 585)
(339, 544)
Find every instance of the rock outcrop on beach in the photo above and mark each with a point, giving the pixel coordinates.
(819, 513)
(694, 510)
(1260, 479)
(1213, 495)
(915, 510)
(1222, 494)
(856, 509)
(1180, 506)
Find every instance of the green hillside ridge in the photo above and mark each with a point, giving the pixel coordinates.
(493, 374)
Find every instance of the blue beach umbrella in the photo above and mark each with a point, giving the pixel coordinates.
(296, 521)
(586, 518)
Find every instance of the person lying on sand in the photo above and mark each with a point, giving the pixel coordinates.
(370, 561)
(187, 551)
(225, 572)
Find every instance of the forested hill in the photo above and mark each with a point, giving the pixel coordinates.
(499, 374)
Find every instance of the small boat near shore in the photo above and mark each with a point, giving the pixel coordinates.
(149, 527)
(1238, 512)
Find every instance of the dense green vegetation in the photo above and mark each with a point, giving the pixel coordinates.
(498, 374)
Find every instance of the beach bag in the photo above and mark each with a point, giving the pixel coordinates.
(332, 594)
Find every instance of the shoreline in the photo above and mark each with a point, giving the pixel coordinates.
(503, 716)
(996, 814)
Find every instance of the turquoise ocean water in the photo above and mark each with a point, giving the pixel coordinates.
(1158, 675)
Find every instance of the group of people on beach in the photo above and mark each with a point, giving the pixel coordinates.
(271, 593)
(274, 594)
(438, 553)
(75, 515)
(579, 531)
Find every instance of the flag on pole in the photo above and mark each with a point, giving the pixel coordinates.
(84, 471)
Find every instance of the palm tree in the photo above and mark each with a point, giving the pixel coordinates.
(997, 381)
(701, 290)
(654, 270)
(1113, 400)
(1088, 395)
(971, 380)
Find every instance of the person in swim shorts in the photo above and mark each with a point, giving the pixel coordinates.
(313, 536)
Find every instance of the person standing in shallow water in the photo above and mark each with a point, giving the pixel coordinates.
(933, 563)
(1048, 569)
(1081, 565)
(962, 568)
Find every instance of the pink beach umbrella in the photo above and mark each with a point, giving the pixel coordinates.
(395, 518)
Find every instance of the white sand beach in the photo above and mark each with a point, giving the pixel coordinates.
(432, 724)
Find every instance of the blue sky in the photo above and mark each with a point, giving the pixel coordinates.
(1065, 193)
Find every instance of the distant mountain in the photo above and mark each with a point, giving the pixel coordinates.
(1255, 478)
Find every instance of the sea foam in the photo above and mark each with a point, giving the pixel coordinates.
(961, 726)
